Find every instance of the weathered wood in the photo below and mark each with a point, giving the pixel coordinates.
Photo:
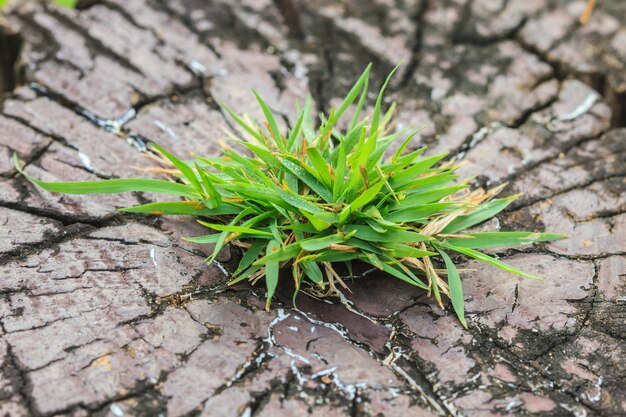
(102, 314)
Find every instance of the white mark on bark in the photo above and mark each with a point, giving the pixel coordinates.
(165, 128)
(86, 161)
(116, 410)
(583, 108)
(221, 267)
(197, 68)
(153, 257)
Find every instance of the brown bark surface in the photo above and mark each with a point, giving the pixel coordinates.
(109, 314)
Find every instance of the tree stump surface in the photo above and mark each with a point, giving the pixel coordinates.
(109, 314)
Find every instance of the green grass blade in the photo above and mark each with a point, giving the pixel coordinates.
(398, 236)
(489, 260)
(499, 239)
(420, 212)
(479, 215)
(317, 224)
(281, 254)
(398, 154)
(245, 274)
(312, 271)
(214, 238)
(308, 179)
(400, 274)
(185, 169)
(235, 229)
(252, 130)
(427, 197)
(183, 208)
(360, 103)
(331, 256)
(296, 201)
(70, 4)
(264, 155)
(456, 288)
(292, 141)
(398, 250)
(320, 164)
(308, 123)
(119, 186)
(360, 201)
(315, 244)
(340, 173)
(405, 177)
(379, 100)
(271, 273)
(215, 199)
(352, 95)
(428, 182)
(271, 120)
(112, 186)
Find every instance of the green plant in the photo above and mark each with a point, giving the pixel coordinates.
(65, 3)
(313, 198)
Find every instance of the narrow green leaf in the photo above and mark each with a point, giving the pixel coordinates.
(398, 154)
(479, 215)
(271, 272)
(215, 199)
(331, 256)
(245, 274)
(379, 100)
(496, 239)
(271, 120)
(264, 155)
(360, 201)
(308, 179)
(214, 238)
(183, 208)
(456, 288)
(404, 177)
(252, 130)
(282, 254)
(112, 186)
(185, 169)
(234, 229)
(489, 260)
(119, 186)
(399, 236)
(315, 244)
(427, 197)
(398, 250)
(251, 168)
(365, 246)
(320, 164)
(318, 224)
(428, 182)
(300, 227)
(70, 4)
(398, 273)
(295, 134)
(414, 213)
(340, 172)
(297, 201)
(308, 123)
(360, 103)
(352, 95)
(313, 271)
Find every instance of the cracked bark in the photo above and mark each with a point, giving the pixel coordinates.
(132, 320)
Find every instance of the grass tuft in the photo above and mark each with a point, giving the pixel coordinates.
(310, 199)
